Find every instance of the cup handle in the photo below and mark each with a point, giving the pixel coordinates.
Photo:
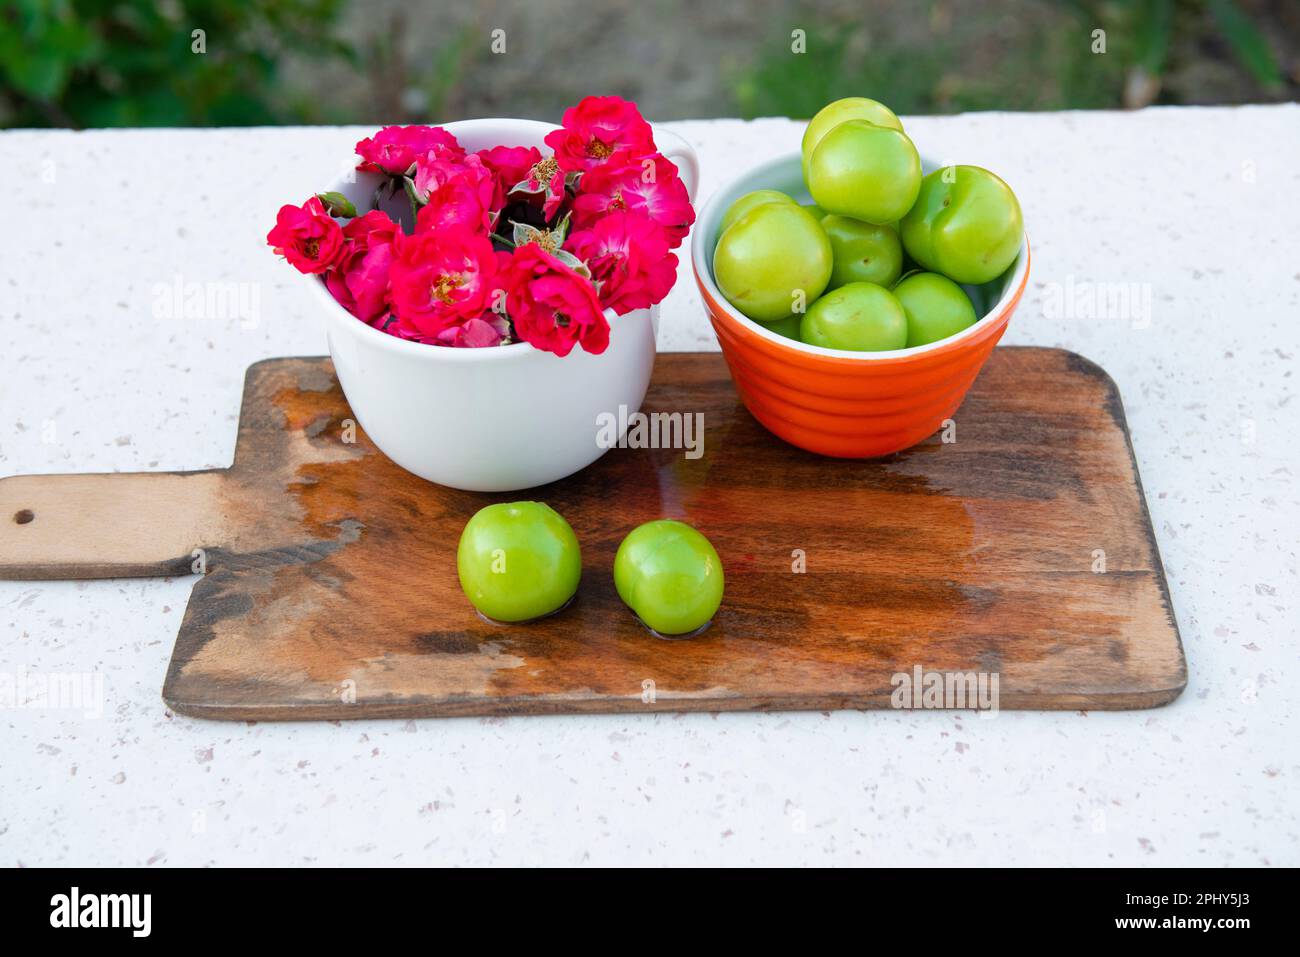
(682, 155)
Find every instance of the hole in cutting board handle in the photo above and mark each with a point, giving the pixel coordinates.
(23, 516)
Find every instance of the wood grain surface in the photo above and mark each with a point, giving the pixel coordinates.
(330, 588)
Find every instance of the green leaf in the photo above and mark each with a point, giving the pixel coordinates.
(525, 234)
(1152, 34)
(525, 187)
(561, 229)
(38, 74)
(1248, 44)
(573, 262)
(413, 194)
(337, 205)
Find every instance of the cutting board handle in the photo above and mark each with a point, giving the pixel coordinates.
(107, 525)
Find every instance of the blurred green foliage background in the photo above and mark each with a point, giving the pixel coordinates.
(86, 63)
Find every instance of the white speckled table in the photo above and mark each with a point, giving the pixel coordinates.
(1193, 208)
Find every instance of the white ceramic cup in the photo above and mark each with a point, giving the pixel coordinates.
(493, 419)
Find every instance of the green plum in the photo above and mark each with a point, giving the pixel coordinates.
(865, 171)
(833, 114)
(966, 224)
(771, 260)
(518, 561)
(788, 327)
(859, 317)
(816, 210)
(863, 252)
(936, 307)
(670, 575)
(747, 202)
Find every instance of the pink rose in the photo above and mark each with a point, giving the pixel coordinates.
(394, 148)
(307, 237)
(478, 333)
(510, 165)
(446, 284)
(441, 277)
(596, 129)
(460, 192)
(629, 259)
(393, 324)
(546, 179)
(524, 168)
(553, 307)
(649, 185)
(360, 284)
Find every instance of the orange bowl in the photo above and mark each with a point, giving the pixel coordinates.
(845, 404)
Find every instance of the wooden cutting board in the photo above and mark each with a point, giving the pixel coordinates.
(1022, 549)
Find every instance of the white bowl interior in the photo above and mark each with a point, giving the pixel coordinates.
(786, 174)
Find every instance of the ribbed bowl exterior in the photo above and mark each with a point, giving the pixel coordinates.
(849, 405)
